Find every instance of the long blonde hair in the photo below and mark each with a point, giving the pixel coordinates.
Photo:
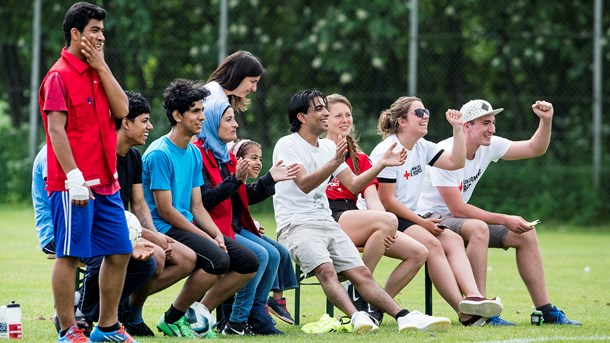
(388, 120)
(352, 142)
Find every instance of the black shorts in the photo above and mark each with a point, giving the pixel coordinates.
(341, 205)
(404, 224)
(212, 259)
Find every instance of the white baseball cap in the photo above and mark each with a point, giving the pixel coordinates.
(478, 108)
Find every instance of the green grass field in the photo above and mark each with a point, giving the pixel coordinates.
(567, 251)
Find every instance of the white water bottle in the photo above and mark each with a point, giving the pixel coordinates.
(13, 321)
(3, 325)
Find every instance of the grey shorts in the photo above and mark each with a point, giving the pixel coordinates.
(314, 242)
(497, 233)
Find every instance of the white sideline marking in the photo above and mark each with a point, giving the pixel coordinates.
(556, 338)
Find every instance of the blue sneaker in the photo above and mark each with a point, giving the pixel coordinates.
(496, 320)
(74, 335)
(119, 335)
(556, 316)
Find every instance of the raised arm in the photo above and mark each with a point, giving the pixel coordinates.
(355, 183)
(309, 181)
(539, 142)
(457, 157)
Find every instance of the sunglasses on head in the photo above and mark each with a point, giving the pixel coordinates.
(421, 111)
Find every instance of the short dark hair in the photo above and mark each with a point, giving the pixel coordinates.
(137, 105)
(299, 103)
(180, 95)
(78, 17)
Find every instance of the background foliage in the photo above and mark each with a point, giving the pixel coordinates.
(508, 52)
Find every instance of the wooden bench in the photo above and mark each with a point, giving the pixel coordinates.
(330, 308)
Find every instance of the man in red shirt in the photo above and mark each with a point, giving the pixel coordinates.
(79, 99)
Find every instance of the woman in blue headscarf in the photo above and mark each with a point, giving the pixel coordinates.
(227, 197)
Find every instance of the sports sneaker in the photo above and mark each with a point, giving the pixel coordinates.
(362, 322)
(358, 301)
(474, 321)
(375, 314)
(325, 324)
(81, 322)
(345, 324)
(179, 328)
(119, 335)
(278, 309)
(241, 329)
(73, 335)
(138, 330)
(416, 320)
(481, 307)
(496, 320)
(557, 317)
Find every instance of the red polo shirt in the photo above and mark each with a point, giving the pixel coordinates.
(73, 87)
(335, 190)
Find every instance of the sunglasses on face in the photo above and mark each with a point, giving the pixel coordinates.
(420, 112)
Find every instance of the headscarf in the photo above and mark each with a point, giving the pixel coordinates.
(209, 131)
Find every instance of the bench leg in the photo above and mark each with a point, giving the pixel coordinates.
(428, 291)
(297, 296)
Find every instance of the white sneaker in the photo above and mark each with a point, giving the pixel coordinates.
(363, 323)
(477, 306)
(416, 320)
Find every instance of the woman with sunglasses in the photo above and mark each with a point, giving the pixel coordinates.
(406, 122)
(374, 228)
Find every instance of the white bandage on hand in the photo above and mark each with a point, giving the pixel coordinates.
(75, 178)
(75, 185)
(79, 193)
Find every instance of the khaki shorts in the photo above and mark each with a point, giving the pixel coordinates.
(497, 233)
(314, 242)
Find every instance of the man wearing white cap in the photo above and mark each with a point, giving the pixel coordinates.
(446, 194)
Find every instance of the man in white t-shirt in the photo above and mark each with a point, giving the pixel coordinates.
(446, 195)
(304, 220)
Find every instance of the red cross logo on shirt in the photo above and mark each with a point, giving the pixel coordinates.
(407, 174)
(461, 186)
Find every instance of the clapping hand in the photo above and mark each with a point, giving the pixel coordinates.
(280, 172)
(394, 158)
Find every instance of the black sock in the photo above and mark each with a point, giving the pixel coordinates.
(63, 332)
(172, 315)
(546, 312)
(114, 327)
(401, 313)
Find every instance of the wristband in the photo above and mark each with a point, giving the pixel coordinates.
(74, 178)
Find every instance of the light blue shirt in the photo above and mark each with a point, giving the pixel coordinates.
(40, 199)
(165, 166)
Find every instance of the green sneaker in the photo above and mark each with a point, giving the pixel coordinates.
(211, 335)
(180, 328)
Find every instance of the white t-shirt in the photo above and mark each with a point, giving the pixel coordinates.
(289, 202)
(409, 177)
(466, 178)
(217, 93)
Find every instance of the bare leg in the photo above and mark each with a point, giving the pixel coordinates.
(529, 264)
(413, 255)
(332, 288)
(369, 229)
(362, 279)
(181, 264)
(194, 288)
(111, 280)
(438, 266)
(62, 281)
(453, 245)
(476, 235)
(225, 288)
